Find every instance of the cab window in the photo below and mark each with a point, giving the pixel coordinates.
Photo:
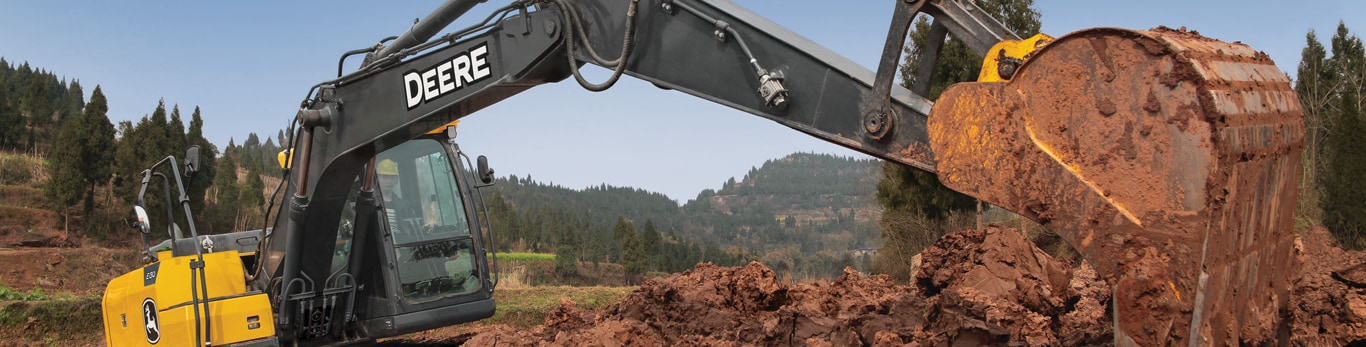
(425, 214)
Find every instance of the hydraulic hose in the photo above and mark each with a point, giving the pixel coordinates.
(628, 44)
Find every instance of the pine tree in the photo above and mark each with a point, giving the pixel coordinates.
(11, 121)
(650, 243)
(155, 147)
(99, 146)
(82, 155)
(199, 185)
(36, 106)
(1316, 91)
(504, 221)
(64, 184)
(127, 162)
(566, 252)
(1344, 151)
(74, 101)
(620, 232)
(251, 200)
(176, 142)
(252, 191)
(224, 193)
(633, 258)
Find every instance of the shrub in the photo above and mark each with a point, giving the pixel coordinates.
(15, 170)
(36, 294)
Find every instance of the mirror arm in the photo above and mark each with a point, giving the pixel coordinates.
(170, 210)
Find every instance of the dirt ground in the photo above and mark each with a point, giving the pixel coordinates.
(1329, 299)
(77, 271)
(975, 287)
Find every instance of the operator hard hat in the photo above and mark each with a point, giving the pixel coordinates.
(386, 167)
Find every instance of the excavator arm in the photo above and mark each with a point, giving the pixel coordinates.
(1167, 158)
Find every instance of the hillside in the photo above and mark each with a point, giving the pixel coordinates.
(808, 214)
(803, 198)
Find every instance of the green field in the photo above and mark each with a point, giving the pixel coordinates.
(515, 256)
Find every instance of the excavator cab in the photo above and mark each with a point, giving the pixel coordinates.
(428, 236)
(410, 252)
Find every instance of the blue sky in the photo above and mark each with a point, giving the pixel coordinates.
(247, 64)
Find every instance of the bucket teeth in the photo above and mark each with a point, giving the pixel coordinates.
(1169, 160)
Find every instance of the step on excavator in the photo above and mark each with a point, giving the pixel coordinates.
(1168, 159)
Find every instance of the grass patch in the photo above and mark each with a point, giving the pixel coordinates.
(527, 307)
(63, 320)
(35, 294)
(515, 256)
(35, 317)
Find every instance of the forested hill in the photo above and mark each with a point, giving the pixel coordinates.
(801, 183)
(816, 209)
(803, 203)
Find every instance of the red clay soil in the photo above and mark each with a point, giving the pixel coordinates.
(977, 287)
(1328, 304)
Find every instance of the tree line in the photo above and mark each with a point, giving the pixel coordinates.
(33, 102)
(527, 216)
(808, 233)
(1330, 82)
(95, 166)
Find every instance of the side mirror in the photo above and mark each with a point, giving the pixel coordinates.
(192, 161)
(485, 173)
(142, 223)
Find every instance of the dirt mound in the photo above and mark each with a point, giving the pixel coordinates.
(1328, 305)
(993, 286)
(976, 287)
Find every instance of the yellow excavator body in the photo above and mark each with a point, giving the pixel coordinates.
(154, 306)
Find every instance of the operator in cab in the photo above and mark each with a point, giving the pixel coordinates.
(402, 218)
(426, 221)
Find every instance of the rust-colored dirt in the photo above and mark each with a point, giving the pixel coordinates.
(975, 287)
(1327, 306)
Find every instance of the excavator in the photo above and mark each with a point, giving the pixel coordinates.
(1167, 159)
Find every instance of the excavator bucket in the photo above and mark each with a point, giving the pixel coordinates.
(1169, 160)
